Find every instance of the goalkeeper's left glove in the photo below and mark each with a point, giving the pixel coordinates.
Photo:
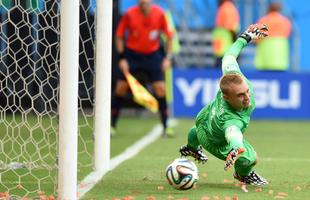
(232, 156)
(254, 32)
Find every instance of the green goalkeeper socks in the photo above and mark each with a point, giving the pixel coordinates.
(192, 140)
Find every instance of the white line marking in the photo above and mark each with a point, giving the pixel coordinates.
(94, 177)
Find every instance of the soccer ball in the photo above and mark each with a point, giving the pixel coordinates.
(182, 174)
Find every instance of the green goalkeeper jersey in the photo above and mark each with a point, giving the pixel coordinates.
(218, 115)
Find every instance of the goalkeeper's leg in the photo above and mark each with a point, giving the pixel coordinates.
(247, 160)
(193, 147)
(244, 167)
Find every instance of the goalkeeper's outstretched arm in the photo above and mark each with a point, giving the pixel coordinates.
(229, 62)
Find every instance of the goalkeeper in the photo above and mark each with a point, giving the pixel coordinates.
(220, 125)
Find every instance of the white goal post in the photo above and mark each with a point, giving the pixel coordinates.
(55, 79)
(103, 85)
(68, 99)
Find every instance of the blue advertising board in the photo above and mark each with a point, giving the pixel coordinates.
(278, 95)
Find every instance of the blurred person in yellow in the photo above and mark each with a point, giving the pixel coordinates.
(272, 53)
(139, 49)
(227, 26)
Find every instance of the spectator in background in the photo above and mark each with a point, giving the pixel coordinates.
(272, 53)
(138, 46)
(227, 25)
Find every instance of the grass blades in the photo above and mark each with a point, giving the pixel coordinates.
(30, 140)
(282, 147)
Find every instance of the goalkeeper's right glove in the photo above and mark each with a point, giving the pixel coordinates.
(232, 156)
(254, 32)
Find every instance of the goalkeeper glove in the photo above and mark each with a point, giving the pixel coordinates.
(254, 32)
(232, 157)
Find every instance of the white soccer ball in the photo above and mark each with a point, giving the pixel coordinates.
(182, 174)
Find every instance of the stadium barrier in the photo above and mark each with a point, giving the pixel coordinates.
(278, 95)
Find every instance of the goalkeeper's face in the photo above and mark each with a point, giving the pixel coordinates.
(238, 96)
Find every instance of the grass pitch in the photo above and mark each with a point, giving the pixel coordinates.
(282, 146)
(31, 142)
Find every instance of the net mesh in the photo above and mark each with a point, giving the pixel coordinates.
(29, 73)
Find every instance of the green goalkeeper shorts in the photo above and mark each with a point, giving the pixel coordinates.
(221, 151)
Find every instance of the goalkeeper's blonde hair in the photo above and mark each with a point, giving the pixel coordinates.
(228, 79)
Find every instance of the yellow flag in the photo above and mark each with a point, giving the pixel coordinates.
(141, 95)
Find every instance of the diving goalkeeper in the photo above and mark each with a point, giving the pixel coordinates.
(220, 125)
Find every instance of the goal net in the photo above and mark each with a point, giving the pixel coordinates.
(29, 77)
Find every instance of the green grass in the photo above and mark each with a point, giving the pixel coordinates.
(283, 148)
(128, 132)
(32, 140)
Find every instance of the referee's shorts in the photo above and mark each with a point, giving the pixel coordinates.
(148, 64)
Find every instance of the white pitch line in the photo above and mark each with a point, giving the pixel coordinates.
(94, 177)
